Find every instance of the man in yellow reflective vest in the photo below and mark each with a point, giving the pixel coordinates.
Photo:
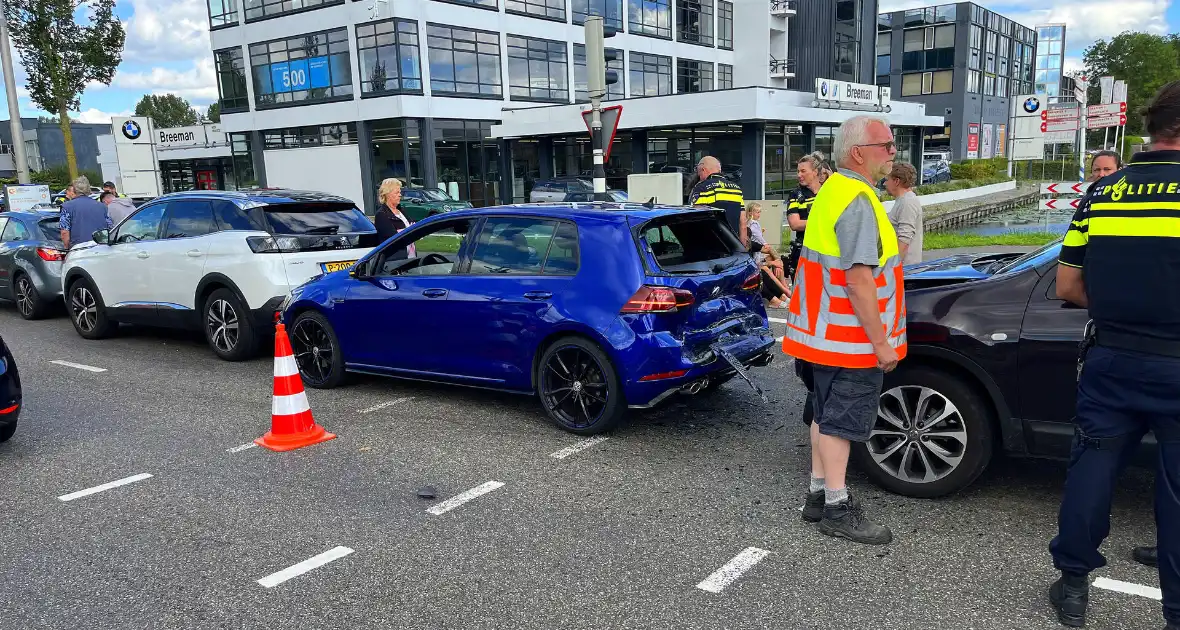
(847, 319)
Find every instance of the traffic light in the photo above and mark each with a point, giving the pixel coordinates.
(597, 57)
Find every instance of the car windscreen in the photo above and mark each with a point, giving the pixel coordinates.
(435, 195)
(693, 243)
(316, 218)
(50, 228)
(1035, 258)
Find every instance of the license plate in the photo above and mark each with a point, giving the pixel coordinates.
(329, 267)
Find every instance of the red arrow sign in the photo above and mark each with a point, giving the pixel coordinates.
(1107, 109)
(1061, 125)
(1098, 122)
(1060, 204)
(1059, 113)
(1064, 188)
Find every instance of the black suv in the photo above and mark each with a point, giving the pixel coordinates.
(10, 394)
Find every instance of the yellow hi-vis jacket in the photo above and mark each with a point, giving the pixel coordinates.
(821, 325)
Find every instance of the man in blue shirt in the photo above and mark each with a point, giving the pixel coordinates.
(82, 215)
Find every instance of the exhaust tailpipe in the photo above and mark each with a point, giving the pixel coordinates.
(695, 387)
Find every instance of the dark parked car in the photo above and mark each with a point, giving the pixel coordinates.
(594, 308)
(31, 255)
(992, 368)
(419, 203)
(10, 394)
(935, 171)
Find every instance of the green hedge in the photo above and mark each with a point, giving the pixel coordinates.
(57, 178)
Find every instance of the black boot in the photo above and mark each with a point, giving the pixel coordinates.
(813, 507)
(1146, 555)
(1070, 594)
(846, 519)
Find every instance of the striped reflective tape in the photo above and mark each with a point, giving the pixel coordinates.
(290, 405)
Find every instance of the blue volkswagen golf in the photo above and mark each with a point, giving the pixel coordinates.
(594, 307)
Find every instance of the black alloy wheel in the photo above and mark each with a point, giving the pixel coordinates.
(579, 387)
(227, 326)
(317, 351)
(88, 312)
(28, 302)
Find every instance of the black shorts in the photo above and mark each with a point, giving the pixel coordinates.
(846, 400)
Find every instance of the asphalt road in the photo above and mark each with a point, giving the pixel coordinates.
(616, 535)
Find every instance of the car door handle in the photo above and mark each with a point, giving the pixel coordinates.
(434, 293)
(143, 255)
(538, 295)
(194, 253)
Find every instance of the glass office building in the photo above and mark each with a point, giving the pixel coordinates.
(1050, 59)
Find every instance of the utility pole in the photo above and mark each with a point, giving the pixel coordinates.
(18, 134)
(598, 77)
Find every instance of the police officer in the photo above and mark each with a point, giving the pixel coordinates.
(1121, 260)
(717, 192)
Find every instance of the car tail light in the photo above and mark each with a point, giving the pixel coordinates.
(659, 376)
(50, 254)
(650, 299)
(8, 410)
(753, 283)
(273, 244)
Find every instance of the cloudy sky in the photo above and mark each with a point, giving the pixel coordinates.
(168, 44)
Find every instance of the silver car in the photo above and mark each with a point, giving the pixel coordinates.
(31, 255)
(557, 188)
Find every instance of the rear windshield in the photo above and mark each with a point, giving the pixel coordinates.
(317, 218)
(690, 244)
(51, 228)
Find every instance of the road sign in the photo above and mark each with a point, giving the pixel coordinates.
(1060, 137)
(1060, 113)
(610, 120)
(1060, 204)
(1079, 89)
(1028, 149)
(1064, 188)
(1098, 122)
(1107, 109)
(1061, 125)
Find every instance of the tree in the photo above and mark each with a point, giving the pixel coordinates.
(1146, 62)
(61, 56)
(168, 110)
(213, 114)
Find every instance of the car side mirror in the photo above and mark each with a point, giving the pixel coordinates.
(360, 271)
(101, 236)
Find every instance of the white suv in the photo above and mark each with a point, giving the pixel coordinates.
(218, 261)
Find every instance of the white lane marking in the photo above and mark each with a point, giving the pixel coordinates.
(1129, 588)
(106, 486)
(386, 404)
(579, 447)
(88, 368)
(777, 320)
(239, 449)
(274, 579)
(464, 497)
(733, 569)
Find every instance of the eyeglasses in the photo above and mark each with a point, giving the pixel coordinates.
(888, 146)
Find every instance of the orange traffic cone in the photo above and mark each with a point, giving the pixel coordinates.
(291, 424)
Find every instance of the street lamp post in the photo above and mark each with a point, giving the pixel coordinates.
(18, 134)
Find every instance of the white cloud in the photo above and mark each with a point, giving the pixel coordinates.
(1090, 20)
(167, 30)
(93, 115)
(197, 84)
(1073, 64)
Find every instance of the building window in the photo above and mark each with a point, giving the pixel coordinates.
(785, 144)
(305, 69)
(945, 13)
(724, 76)
(464, 62)
(650, 17)
(847, 41)
(884, 43)
(397, 150)
(973, 59)
(481, 4)
(973, 81)
(693, 76)
(882, 66)
(920, 83)
(930, 48)
(545, 9)
(1002, 86)
(651, 75)
(724, 24)
(538, 70)
(243, 160)
(389, 56)
(694, 19)
(614, 91)
(231, 80)
(884, 22)
(989, 84)
(610, 10)
(223, 13)
(467, 160)
(312, 136)
(263, 9)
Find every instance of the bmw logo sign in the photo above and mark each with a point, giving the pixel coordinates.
(823, 88)
(1032, 104)
(131, 130)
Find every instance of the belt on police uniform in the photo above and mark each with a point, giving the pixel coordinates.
(1137, 343)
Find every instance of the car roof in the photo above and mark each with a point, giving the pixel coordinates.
(265, 196)
(32, 214)
(579, 209)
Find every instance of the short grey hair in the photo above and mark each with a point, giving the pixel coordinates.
(852, 132)
(81, 185)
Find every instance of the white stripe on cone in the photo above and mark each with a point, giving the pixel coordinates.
(290, 405)
(286, 366)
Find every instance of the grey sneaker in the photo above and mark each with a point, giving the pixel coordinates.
(813, 507)
(846, 519)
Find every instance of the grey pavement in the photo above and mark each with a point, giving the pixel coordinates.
(615, 536)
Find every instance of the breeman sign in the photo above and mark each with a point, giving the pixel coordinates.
(844, 92)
